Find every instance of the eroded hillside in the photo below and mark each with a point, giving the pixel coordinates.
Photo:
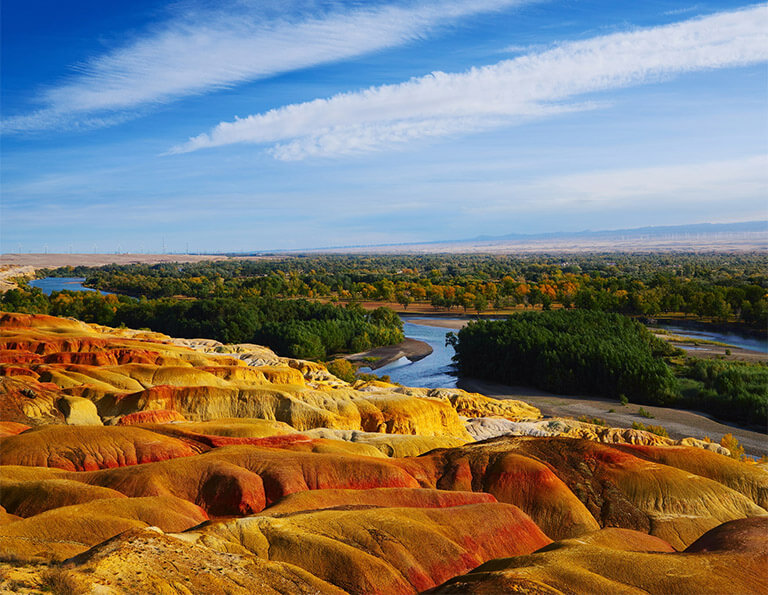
(134, 462)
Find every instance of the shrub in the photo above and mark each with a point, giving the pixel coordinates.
(645, 413)
(658, 430)
(61, 582)
(736, 391)
(730, 442)
(596, 421)
(343, 369)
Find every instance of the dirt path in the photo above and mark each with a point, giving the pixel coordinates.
(679, 423)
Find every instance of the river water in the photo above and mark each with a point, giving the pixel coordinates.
(51, 284)
(437, 371)
(751, 343)
(434, 371)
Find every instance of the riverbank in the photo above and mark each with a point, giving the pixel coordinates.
(679, 423)
(693, 347)
(381, 356)
(712, 350)
(8, 273)
(454, 324)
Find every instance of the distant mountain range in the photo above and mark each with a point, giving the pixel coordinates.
(656, 231)
(742, 236)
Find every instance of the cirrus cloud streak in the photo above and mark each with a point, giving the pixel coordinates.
(529, 86)
(202, 50)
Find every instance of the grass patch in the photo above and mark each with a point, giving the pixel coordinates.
(596, 421)
(61, 582)
(658, 430)
(645, 413)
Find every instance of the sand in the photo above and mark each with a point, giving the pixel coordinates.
(411, 348)
(678, 422)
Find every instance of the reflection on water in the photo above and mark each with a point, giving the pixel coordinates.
(437, 370)
(51, 284)
(752, 343)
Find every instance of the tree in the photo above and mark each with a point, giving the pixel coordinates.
(403, 299)
(481, 303)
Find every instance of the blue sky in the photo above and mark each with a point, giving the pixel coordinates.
(263, 125)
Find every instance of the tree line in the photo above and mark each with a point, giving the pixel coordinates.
(610, 355)
(295, 328)
(722, 287)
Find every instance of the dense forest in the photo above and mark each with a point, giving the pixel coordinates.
(583, 352)
(720, 287)
(579, 338)
(296, 328)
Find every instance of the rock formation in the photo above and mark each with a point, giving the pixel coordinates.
(134, 462)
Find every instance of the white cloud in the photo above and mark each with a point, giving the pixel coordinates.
(528, 86)
(199, 51)
(727, 182)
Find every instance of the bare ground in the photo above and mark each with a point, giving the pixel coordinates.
(381, 356)
(50, 261)
(678, 422)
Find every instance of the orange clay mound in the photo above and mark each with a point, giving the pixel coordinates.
(742, 535)
(148, 561)
(622, 490)
(234, 426)
(10, 428)
(31, 497)
(495, 468)
(367, 489)
(155, 416)
(86, 448)
(617, 561)
(378, 497)
(749, 480)
(236, 480)
(391, 445)
(126, 372)
(6, 517)
(381, 550)
(64, 532)
(26, 401)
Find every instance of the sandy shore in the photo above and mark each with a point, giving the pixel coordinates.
(451, 324)
(710, 351)
(381, 356)
(679, 423)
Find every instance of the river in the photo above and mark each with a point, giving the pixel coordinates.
(434, 371)
(51, 284)
(437, 371)
(751, 343)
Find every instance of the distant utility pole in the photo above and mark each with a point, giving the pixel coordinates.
(163, 245)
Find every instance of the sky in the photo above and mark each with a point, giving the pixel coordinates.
(258, 125)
